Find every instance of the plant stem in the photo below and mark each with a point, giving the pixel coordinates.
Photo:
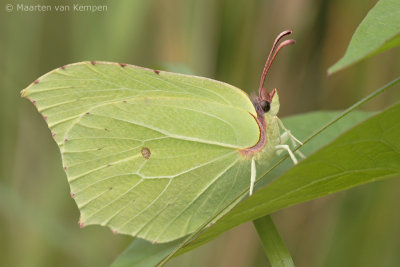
(274, 247)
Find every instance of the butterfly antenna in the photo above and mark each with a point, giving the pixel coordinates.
(271, 56)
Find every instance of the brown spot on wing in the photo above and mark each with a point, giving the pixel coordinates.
(146, 152)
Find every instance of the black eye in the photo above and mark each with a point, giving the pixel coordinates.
(265, 105)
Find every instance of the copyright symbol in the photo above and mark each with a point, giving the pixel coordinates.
(9, 8)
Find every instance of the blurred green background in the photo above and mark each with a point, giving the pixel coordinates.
(220, 39)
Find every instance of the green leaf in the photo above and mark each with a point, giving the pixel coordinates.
(369, 152)
(142, 253)
(274, 247)
(378, 32)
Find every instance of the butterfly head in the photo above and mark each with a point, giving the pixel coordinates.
(270, 103)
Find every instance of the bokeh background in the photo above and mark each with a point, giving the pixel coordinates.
(221, 39)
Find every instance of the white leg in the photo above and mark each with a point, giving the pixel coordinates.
(284, 138)
(298, 152)
(294, 139)
(252, 176)
(287, 148)
(288, 135)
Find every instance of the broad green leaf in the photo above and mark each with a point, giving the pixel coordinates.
(369, 152)
(274, 247)
(302, 126)
(378, 32)
(147, 153)
(142, 253)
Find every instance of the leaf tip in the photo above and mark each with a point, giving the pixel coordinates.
(332, 69)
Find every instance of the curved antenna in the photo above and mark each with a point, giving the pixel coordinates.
(271, 56)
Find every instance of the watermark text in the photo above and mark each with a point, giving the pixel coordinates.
(55, 8)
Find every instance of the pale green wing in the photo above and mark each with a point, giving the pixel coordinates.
(147, 153)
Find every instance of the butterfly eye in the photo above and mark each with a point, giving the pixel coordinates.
(265, 105)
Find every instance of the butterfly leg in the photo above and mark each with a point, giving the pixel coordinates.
(279, 148)
(252, 176)
(288, 132)
(285, 137)
(288, 135)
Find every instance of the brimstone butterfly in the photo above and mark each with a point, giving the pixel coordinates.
(156, 154)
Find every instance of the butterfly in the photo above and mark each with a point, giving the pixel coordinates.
(156, 154)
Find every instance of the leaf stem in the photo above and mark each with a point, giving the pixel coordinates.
(274, 247)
